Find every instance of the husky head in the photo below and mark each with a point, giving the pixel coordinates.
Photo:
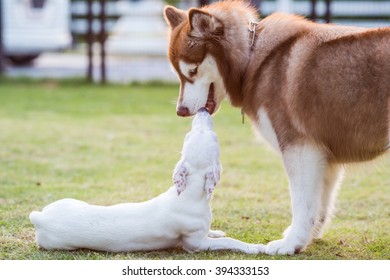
(192, 54)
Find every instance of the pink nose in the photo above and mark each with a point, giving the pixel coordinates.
(183, 111)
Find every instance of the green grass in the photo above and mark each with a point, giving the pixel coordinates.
(113, 144)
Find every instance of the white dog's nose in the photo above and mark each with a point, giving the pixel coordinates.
(203, 109)
(202, 119)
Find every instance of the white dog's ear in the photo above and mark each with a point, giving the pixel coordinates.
(212, 178)
(179, 177)
(174, 16)
(204, 24)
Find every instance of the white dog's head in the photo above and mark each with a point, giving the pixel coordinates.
(200, 154)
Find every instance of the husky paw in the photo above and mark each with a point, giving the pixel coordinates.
(283, 247)
(216, 234)
(286, 231)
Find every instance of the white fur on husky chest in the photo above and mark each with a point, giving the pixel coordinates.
(266, 130)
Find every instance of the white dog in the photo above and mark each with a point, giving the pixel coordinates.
(180, 217)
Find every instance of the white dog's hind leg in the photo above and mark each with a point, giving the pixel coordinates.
(305, 167)
(216, 233)
(332, 181)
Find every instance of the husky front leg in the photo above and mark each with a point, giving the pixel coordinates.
(305, 167)
(332, 180)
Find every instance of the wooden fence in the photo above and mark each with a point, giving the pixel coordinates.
(92, 20)
(359, 12)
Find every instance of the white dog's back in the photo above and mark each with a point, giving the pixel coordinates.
(70, 224)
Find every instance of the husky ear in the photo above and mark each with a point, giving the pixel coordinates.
(204, 24)
(174, 16)
(212, 178)
(179, 177)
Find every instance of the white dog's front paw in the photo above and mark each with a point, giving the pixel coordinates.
(216, 234)
(283, 247)
(256, 249)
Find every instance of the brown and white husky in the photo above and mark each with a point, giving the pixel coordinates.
(319, 95)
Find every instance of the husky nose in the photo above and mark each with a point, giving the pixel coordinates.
(183, 111)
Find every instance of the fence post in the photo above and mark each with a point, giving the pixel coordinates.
(313, 12)
(1, 39)
(90, 40)
(203, 2)
(328, 12)
(102, 39)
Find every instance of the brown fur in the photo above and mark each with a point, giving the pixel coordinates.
(322, 84)
(334, 96)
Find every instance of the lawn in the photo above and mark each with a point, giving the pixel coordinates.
(113, 144)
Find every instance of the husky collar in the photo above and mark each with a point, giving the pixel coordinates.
(252, 32)
(252, 36)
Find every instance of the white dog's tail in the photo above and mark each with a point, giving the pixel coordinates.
(35, 218)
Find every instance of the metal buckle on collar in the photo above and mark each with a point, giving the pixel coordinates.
(252, 31)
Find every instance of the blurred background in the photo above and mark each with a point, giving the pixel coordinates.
(123, 41)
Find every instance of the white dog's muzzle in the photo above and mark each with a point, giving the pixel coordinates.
(200, 154)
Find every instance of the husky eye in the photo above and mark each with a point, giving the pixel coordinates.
(193, 72)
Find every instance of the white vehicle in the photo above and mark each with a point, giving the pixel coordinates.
(35, 26)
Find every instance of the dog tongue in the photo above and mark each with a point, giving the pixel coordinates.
(210, 104)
